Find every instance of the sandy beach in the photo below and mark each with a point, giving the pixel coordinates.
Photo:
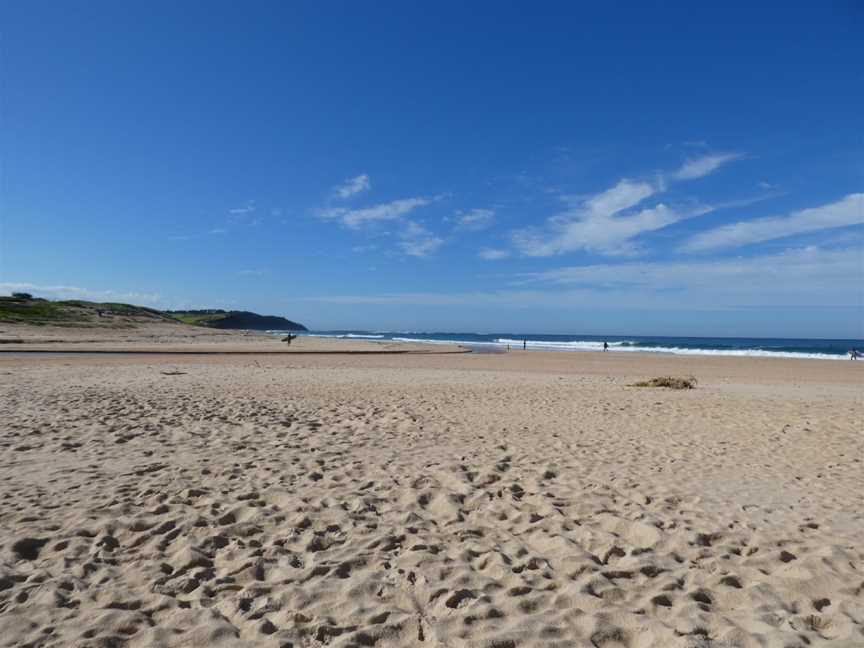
(426, 499)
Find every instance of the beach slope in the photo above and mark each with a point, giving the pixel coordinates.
(430, 500)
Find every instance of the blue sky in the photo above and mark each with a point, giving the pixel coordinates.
(630, 168)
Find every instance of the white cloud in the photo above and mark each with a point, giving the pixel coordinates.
(356, 218)
(353, 186)
(246, 215)
(806, 276)
(810, 277)
(703, 166)
(847, 211)
(588, 224)
(75, 292)
(745, 202)
(243, 211)
(413, 238)
(602, 222)
(416, 240)
(252, 273)
(476, 219)
(504, 297)
(604, 234)
(491, 254)
(623, 195)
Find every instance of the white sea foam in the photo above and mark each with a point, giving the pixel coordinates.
(618, 346)
(576, 345)
(748, 353)
(343, 336)
(431, 341)
(625, 347)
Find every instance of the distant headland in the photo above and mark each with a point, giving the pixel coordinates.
(222, 319)
(24, 308)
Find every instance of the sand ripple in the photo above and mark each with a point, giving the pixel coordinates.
(141, 509)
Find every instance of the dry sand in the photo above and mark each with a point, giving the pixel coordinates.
(523, 499)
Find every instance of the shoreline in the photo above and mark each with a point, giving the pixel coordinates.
(23, 348)
(175, 338)
(712, 371)
(616, 346)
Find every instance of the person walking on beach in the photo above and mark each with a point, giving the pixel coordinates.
(605, 345)
(854, 354)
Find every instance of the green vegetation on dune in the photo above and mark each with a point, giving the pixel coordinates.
(111, 307)
(195, 320)
(25, 309)
(197, 317)
(235, 320)
(18, 310)
(74, 312)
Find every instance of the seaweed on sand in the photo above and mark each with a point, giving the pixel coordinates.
(668, 381)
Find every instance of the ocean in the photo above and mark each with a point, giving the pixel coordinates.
(716, 346)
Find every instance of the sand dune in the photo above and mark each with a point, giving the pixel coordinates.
(428, 501)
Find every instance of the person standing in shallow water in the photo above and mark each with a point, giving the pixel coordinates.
(605, 345)
(524, 345)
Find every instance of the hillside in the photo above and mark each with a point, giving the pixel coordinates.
(25, 309)
(221, 319)
(75, 312)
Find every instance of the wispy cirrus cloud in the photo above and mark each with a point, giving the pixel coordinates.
(705, 165)
(416, 240)
(625, 194)
(609, 236)
(493, 254)
(356, 218)
(794, 270)
(809, 276)
(244, 215)
(412, 238)
(604, 223)
(474, 219)
(245, 210)
(847, 211)
(353, 186)
(504, 297)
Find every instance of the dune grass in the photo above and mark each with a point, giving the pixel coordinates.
(13, 309)
(197, 319)
(68, 312)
